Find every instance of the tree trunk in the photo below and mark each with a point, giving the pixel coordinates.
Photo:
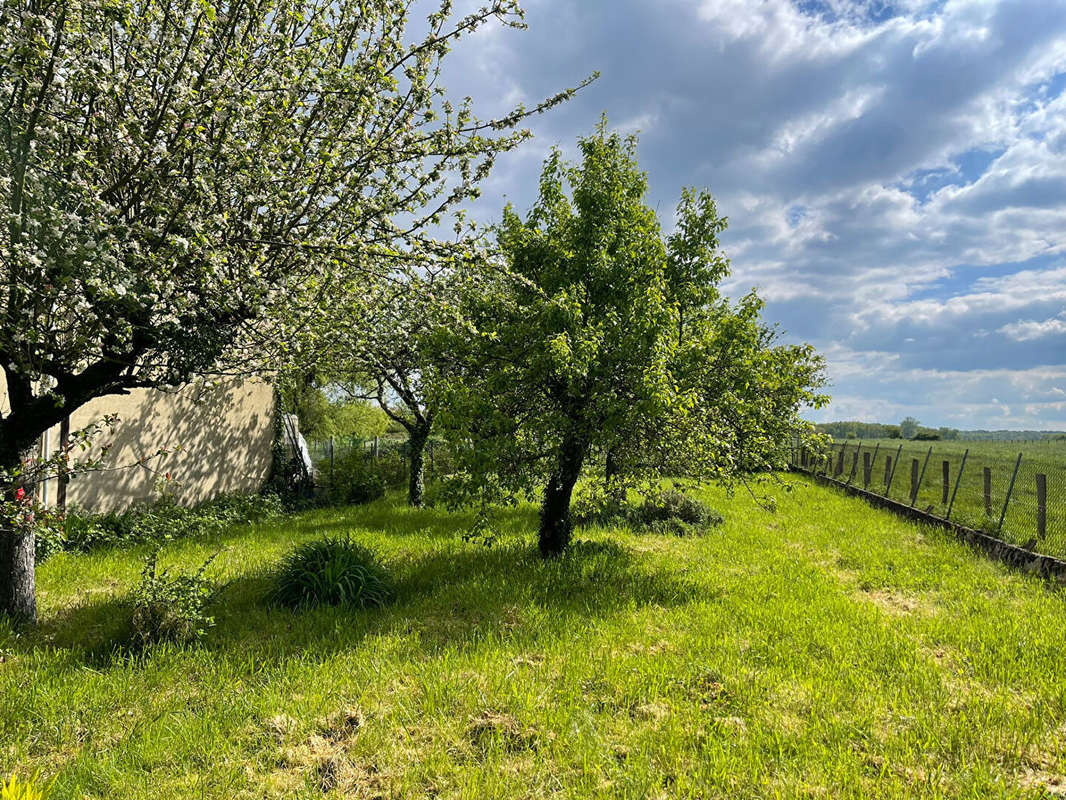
(555, 525)
(18, 599)
(416, 443)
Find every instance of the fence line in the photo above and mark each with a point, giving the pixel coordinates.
(1020, 499)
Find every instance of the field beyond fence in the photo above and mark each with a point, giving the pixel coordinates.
(1015, 492)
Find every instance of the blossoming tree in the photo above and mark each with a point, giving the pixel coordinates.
(182, 181)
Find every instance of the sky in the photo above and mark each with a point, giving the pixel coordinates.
(894, 174)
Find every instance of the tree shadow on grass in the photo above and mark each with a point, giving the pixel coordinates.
(456, 596)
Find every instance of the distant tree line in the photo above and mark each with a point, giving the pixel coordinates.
(910, 428)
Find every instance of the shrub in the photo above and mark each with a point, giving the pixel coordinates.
(50, 535)
(353, 480)
(164, 520)
(171, 609)
(596, 508)
(665, 511)
(671, 506)
(334, 572)
(15, 789)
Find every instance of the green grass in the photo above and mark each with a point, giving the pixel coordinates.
(1019, 524)
(825, 650)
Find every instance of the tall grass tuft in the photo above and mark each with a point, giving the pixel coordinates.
(332, 572)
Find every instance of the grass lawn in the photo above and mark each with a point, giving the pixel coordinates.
(825, 650)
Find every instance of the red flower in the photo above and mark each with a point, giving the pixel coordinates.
(20, 493)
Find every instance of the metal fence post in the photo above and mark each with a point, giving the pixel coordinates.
(854, 463)
(918, 486)
(1041, 506)
(1010, 490)
(958, 480)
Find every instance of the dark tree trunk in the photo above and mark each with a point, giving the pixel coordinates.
(555, 525)
(416, 443)
(18, 600)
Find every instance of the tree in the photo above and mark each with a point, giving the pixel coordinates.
(908, 428)
(326, 411)
(599, 332)
(180, 180)
(380, 346)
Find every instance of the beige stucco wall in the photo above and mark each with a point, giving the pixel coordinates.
(218, 433)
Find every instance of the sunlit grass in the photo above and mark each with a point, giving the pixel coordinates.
(827, 649)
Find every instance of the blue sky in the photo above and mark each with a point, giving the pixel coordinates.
(894, 174)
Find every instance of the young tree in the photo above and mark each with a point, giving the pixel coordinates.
(178, 178)
(603, 337)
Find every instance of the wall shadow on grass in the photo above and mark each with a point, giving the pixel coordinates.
(458, 596)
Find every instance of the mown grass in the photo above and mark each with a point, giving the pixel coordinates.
(825, 650)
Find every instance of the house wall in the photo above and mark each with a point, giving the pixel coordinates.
(218, 435)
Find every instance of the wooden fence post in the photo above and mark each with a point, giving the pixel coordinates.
(867, 468)
(64, 476)
(945, 470)
(921, 477)
(1041, 506)
(891, 463)
(988, 491)
(914, 480)
(840, 461)
(854, 463)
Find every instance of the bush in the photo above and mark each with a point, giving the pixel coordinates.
(162, 521)
(171, 609)
(671, 506)
(15, 789)
(595, 508)
(50, 534)
(353, 480)
(666, 511)
(334, 572)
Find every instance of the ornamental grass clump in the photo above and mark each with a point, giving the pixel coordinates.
(15, 789)
(332, 572)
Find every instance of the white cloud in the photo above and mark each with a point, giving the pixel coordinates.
(1028, 330)
(896, 184)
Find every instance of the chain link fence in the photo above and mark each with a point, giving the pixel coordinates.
(1017, 497)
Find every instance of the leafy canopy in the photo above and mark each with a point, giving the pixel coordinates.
(602, 336)
(180, 178)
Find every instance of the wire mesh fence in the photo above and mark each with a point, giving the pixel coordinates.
(1017, 496)
(385, 451)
